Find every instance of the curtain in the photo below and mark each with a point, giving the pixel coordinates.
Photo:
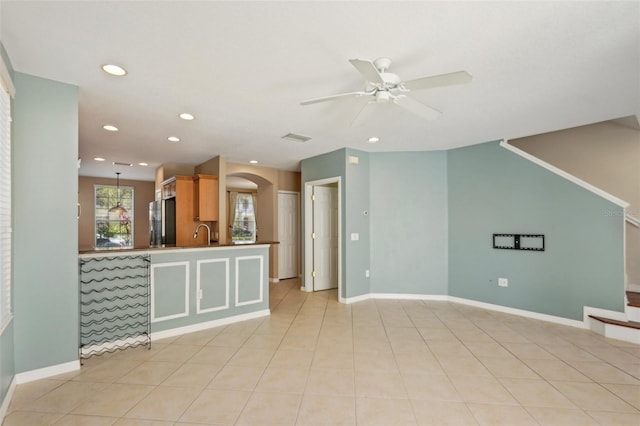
(254, 200)
(233, 197)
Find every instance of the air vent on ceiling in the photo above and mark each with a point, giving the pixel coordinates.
(117, 163)
(296, 138)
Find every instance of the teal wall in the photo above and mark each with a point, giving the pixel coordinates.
(45, 230)
(492, 190)
(409, 223)
(356, 254)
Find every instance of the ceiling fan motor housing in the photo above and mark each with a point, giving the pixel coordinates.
(382, 64)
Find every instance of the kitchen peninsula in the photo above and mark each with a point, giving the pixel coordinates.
(188, 289)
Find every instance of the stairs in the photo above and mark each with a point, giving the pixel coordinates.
(628, 329)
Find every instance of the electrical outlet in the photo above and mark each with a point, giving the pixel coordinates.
(366, 273)
(503, 282)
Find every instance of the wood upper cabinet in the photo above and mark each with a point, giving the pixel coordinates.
(181, 189)
(205, 198)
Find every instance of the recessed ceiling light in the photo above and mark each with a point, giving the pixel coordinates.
(373, 140)
(173, 139)
(143, 164)
(186, 116)
(253, 161)
(114, 69)
(110, 128)
(98, 158)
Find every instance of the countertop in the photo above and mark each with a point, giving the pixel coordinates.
(112, 250)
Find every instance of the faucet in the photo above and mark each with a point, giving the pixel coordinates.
(195, 234)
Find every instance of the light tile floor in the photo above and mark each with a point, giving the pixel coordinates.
(378, 362)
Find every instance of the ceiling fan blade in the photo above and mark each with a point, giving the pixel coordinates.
(449, 79)
(368, 71)
(418, 108)
(364, 114)
(333, 97)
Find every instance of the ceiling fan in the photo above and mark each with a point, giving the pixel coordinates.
(383, 87)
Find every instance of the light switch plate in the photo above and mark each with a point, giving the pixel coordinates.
(355, 236)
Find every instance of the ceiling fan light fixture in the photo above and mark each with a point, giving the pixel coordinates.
(383, 96)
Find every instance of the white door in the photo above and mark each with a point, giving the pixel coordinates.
(288, 234)
(325, 237)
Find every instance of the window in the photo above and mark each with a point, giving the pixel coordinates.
(244, 218)
(5, 199)
(114, 226)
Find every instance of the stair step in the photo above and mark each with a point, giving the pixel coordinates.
(633, 299)
(628, 324)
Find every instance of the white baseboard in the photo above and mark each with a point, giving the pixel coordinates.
(402, 296)
(625, 334)
(111, 346)
(614, 315)
(355, 299)
(520, 312)
(43, 373)
(469, 302)
(4, 408)
(633, 287)
(164, 334)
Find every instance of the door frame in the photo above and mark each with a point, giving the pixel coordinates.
(307, 279)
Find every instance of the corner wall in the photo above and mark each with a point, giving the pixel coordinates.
(45, 230)
(409, 223)
(492, 190)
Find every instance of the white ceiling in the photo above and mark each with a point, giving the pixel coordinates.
(243, 67)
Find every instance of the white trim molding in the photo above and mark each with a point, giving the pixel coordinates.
(199, 290)
(260, 282)
(185, 313)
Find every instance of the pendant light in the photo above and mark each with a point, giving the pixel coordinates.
(118, 208)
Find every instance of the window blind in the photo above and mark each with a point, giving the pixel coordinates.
(5, 206)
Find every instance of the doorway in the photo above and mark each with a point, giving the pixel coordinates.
(288, 235)
(323, 236)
